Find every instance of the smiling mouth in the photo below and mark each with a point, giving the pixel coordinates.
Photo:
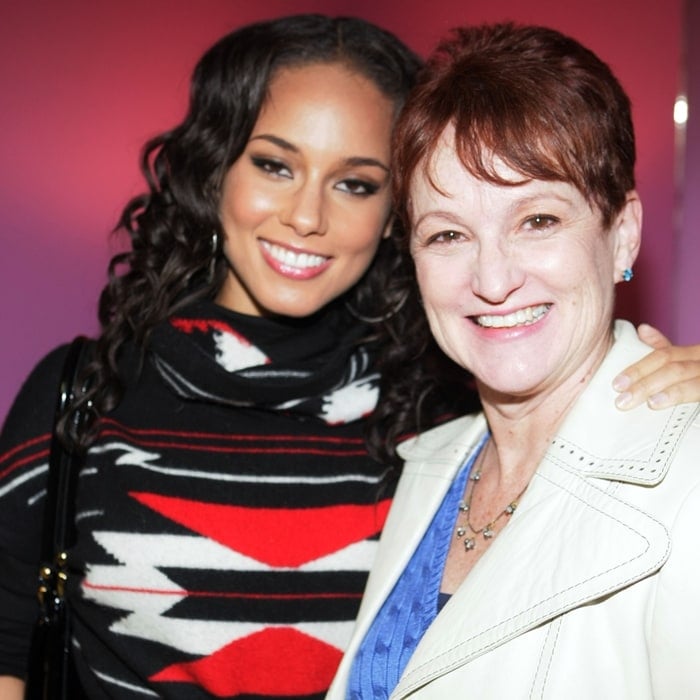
(289, 258)
(521, 317)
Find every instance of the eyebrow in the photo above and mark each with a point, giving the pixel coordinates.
(354, 161)
(447, 216)
(545, 194)
(282, 143)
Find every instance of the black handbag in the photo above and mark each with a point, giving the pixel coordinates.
(51, 675)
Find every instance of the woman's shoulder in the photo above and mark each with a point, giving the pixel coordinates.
(47, 367)
(684, 468)
(33, 408)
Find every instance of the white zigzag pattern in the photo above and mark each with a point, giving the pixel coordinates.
(137, 586)
(346, 403)
(235, 352)
(135, 457)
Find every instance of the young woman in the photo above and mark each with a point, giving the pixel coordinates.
(228, 511)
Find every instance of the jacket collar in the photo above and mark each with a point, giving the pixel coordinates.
(570, 527)
(600, 441)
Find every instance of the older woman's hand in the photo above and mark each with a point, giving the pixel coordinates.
(670, 375)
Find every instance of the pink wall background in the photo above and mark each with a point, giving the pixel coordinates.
(84, 84)
(687, 244)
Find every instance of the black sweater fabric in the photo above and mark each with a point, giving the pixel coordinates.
(227, 515)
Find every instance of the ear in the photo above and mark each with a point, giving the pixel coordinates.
(627, 233)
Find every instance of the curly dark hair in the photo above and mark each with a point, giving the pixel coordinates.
(171, 226)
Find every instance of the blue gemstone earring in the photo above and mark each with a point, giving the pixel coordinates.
(627, 274)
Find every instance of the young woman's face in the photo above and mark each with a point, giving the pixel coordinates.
(308, 201)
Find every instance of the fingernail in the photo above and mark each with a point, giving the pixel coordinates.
(621, 382)
(659, 400)
(623, 400)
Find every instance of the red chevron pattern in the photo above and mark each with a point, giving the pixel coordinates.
(276, 537)
(276, 661)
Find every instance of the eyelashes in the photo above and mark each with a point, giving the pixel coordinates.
(534, 225)
(541, 222)
(359, 188)
(444, 237)
(271, 166)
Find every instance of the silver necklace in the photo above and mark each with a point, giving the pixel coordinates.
(487, 531)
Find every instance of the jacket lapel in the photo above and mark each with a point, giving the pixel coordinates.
(568, 543)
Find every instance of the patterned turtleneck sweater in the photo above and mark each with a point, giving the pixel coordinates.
(227, 515)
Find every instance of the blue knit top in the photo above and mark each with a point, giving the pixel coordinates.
(412, 605)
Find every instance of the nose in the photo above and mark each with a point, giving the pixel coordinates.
(305, 210)
(498, 273)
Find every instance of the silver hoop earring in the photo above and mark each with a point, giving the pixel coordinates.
(378, 319)
(214, 255)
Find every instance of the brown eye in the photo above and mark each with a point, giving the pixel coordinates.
(444, 237)
(360, 188)
(540, 222)
(271, 166)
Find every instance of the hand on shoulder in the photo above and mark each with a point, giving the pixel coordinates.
(668, 376)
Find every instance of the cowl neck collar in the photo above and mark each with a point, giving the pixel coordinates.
(315, 365)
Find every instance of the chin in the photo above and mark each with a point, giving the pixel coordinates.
(295, 309)
(511, 386)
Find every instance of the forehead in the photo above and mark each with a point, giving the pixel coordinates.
(329, 104)
(323, 84)
(442, 183)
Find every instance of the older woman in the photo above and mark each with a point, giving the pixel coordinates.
(545, 548)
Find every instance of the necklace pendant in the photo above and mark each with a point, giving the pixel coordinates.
(488, 533)
(461, 531)
(469, 544)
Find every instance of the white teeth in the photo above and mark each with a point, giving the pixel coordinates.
(291, 259)
(521, 317)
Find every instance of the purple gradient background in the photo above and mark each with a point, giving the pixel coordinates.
(85, 84)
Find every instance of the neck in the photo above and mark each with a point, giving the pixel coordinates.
(522, 427)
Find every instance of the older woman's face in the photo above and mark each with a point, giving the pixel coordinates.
(517, 281)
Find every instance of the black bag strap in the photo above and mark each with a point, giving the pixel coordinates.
(64, 466)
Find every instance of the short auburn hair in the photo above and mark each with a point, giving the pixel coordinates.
(538, 100)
